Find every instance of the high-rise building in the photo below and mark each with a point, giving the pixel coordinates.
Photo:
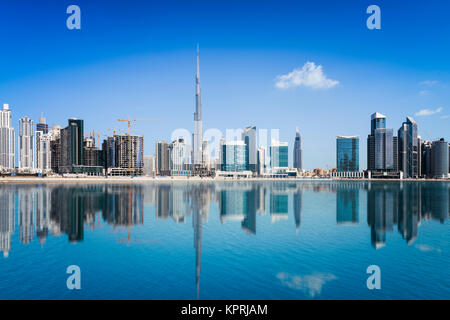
(178, 158)
(439, 159)
(408, 149)
(123, 149)
(6, 139)
(249, 138)
(425, 158)
(162, 158)
(43, 151)
(381, 146)
(26, 143)
(298, 151)
(279, 155)
(197, 138)
(149, 165)
(72, 151)
(55, 148)
(347, 154)
(233, 156)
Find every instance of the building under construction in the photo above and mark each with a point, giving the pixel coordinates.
(122, 157)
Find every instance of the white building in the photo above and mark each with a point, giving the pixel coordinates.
(43, 152)
(149, 165)
(178, 158)
(26, 143)
(6, 139)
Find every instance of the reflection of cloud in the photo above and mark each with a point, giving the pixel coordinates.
(309, 75)
(310, 284)
(427, 248)
(428, 112)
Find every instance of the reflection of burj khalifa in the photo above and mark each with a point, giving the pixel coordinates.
(198, 133)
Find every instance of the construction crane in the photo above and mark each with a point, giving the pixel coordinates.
(129, 136)
(114, 131)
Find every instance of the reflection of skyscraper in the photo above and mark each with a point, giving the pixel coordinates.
(347, 205)
(232, 204)
(26, 205)
(162, 201)
(6, 219)
(249, 222)
(382, 207)
(278, 206)
(408, 213)
(43, 206)
(298, 209)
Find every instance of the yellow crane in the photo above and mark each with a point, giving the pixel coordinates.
(129, 136)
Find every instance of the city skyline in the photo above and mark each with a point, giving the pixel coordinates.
(240, 74)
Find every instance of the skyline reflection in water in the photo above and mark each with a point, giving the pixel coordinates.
(39, 211)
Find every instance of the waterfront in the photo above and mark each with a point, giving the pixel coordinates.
(226, 240)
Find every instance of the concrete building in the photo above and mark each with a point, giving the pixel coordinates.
(122, 155)
(149, 165)
(26, 144)
(6, 139)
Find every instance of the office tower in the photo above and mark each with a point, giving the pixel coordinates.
(425, 158)
(162, 158)
(178, 157)
(205, 155)
(298, 151)
(278, 155)
(149, 165)
(261, 160)
(7, 224)
(26, 143)
(6, 139)
(233, 156)
(408, 149)
(347, 154)
(43, 151)
(72, 151)
(42, 125)
(439, 159)
(92, 154)
(249, 138)
(381, 150)
(198, 130)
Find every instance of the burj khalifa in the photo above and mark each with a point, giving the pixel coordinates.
(197, 138)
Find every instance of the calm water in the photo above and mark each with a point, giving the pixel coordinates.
(229, 240)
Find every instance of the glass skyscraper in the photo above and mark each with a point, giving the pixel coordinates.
(279, 155)
(233, 156)
(347, 154)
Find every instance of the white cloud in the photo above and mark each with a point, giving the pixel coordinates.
(310, 284)
(428, 112)
(444, 117)
(427, 248)
(309, 75)
(424, 92)
(428, 83)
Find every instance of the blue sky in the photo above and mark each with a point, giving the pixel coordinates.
(137, 59)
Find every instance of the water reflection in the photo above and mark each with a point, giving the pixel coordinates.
(44, 210)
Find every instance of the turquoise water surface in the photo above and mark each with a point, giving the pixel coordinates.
(226, 240)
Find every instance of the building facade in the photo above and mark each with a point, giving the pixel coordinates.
(249, 138)
(233, 156)
(347, 154)
(439, 159)
(408, 149)
(26, 143)
(178, 158)
(279, 155)
(162, 158)
(298, 152)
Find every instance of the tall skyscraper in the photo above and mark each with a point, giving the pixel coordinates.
(178, 157)
(6, 139)
(408, 149)
(198, 130)
(381, 145)
(298, 151)
(43, 151)
(72, 151)
(26, 143)
(261, 160)
(249, 138)
(347, 154)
